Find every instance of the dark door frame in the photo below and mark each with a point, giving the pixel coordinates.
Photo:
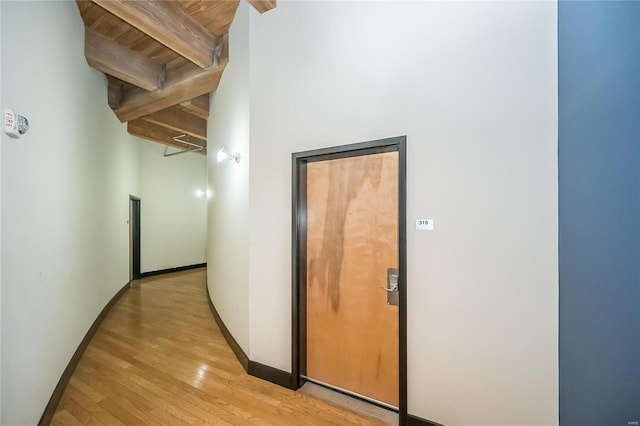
(299, 258)
(134, 226)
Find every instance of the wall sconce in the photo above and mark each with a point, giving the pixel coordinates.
(223, 155)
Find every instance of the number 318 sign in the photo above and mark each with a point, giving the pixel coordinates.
(424, 224)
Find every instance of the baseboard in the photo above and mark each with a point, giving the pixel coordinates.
(253, 368)
(418, 421)
(270, 374)
(235, 347)
(50, 409)
(170, 270)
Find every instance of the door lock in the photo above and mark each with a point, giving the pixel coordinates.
(392, 286)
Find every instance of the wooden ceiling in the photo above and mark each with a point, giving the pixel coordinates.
(161, 59)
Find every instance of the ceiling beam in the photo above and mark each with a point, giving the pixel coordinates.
(179, 121)
(153, 132)
(115, 92)
(263, 6)
(197, 106)
(139, 103)
(125, 64)
(169, 24)
(180, 86)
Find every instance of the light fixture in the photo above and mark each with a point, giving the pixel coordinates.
(223, 155)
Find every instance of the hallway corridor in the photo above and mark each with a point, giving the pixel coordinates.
(160, 359)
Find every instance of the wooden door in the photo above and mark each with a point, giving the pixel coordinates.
(352, 238)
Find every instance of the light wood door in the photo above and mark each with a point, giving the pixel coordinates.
(352, 238)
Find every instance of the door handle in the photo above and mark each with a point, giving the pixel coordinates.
(392, 286)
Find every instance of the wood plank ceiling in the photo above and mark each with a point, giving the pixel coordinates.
(161, 59)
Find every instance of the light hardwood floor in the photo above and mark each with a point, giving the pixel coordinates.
(159, 359)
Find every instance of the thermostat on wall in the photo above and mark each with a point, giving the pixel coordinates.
(424, 224)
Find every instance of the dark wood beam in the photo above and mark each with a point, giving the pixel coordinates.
(263, 6)
(118, 61)
(197, 106)
(180, 86)
(169, 24)
(179, 121)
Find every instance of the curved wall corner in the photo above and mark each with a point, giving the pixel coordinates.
(65, 202)
(228, 187)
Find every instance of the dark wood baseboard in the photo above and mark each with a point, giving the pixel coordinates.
(170, 270)
(235, 347)
(50, 409)
(418, 421)
(270, 374)
(256, 369)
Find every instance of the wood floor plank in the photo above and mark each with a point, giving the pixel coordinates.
(80, 413)
(92, 407)
(136, 406)
(66, 418)
(159, 358)
(86, 389)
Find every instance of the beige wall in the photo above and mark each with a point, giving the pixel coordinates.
(228, 213)
(1, 104)
(473, 86)
(65, 190)
(65, 194)
(173, 208)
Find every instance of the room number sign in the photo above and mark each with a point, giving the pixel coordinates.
(424, 224)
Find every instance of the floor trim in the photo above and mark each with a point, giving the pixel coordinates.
(235, 347)
(253, 368)
(270, 374)
(170, 270)
(50, 409)
(418, 421)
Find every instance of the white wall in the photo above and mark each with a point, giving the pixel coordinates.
(65, 195)
(228, 210)
(1, 215)
(473, 86)
(173, 215)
